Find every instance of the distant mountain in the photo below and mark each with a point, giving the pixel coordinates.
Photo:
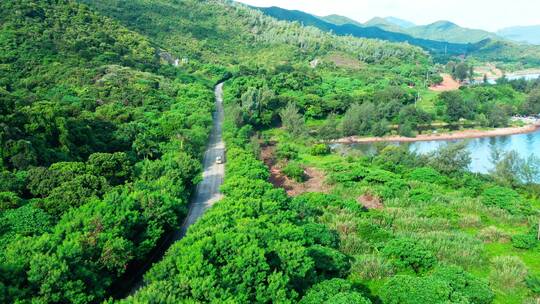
(528, 34)
(340, 20)
(400, 22)
(449, 32)
(491, 48)
(384, 24)
(436, 48)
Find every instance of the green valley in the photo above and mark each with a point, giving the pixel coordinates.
(106, 114)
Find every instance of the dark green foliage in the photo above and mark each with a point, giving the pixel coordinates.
(9, 200)
(116, 168)
(408, 253)
(504, 198)
(533, 282)
(335, 291)
(411, 290)
(524, 241)
(448, 284)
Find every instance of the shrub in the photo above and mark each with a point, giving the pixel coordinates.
(333, 291)
(9, 200)
(427, 175)
(380, 176)
(408, 253)
(446, 285)
(320, 149)
(464, 285)
(295, 171)
(504, 198)
(533, 283)
(508, 272)
(421, 195)
(524, 241)
(286, 151)
(413, 290)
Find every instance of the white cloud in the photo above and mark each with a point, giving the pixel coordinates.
(485, 14)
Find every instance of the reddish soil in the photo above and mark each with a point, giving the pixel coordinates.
(315, 178)
(370, 201)
(448, 84)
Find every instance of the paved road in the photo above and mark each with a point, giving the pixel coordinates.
(207, 192)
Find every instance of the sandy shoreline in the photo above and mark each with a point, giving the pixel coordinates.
(464, 134)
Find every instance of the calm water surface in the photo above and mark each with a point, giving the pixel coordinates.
(480, 148)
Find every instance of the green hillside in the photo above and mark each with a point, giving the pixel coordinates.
(92, 171)
(102, 137)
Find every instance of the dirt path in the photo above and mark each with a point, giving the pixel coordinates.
(315, 177)
(465, 134)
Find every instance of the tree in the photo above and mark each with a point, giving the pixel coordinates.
(532, 104)
(451, 158)
(359, 119)
(455, 107)
(293, 121)
(115, 167)
(462, 71)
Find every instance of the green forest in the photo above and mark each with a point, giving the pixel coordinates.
(105, 113)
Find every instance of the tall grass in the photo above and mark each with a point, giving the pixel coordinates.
(454, 247)
(508, 272)
(371, 267)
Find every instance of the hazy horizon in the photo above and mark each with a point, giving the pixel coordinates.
(480, 14)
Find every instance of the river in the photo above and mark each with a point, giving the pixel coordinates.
(531, 76)
(480, 148)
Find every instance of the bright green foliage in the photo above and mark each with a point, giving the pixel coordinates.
(407, 253)
(294, 171)
(250, 247)
(504, 198)
(427, 174)
(445, 285)
(99, 154)
(320, 149)
(335, 291)
(287, 152)
(411, 290)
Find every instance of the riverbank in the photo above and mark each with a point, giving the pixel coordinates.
(462, 134)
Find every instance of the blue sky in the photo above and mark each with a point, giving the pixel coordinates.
(483, 14)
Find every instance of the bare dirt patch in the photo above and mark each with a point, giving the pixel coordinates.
(370, 201)
(448, 84)
(314, 177)
(343, 60)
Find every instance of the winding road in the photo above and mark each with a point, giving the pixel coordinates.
(206, 194)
